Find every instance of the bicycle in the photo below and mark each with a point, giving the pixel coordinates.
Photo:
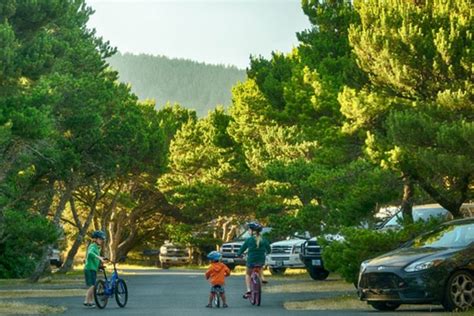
(255, 296)
(216, 295)
(105, 289)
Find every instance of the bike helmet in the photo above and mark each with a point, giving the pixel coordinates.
(98, 234)
(214, 256)
(255, 226)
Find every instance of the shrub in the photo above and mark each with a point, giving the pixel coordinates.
(22, 241)
(345, 256)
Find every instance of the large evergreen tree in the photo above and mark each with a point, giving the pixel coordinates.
(287, 117)
(417, 108)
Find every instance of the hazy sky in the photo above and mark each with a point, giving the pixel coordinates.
(212, 31)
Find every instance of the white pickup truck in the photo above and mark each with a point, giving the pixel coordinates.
(285, 254)
(173, 255)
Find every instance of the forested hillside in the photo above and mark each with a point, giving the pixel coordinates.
(195, 85)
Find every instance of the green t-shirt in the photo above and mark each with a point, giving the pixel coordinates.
(255, 255)
(92, 260)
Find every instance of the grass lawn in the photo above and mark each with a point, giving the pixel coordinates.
(341, 302)
(17, 308)
(28, 293)
(310, 286)
(69, 279)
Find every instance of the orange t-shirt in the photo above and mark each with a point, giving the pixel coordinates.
(217, 272)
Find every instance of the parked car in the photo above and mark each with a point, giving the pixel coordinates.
(172, 254)
(311, 256)
(285, 255)
(152, 256)
(420, 213)
(55, 258)
(434, 268)
(424, 213)
(229, 250)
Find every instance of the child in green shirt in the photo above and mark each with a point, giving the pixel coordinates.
(93, 260)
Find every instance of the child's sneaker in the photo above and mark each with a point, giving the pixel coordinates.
(209, 306)
(225, 305)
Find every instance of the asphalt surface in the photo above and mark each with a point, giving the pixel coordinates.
(185, 293)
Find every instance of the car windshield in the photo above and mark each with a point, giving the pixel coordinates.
(460, 235)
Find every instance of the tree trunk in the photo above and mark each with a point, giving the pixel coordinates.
(77, 244)
(449, 204)
(231, 234)
(49, 198)
(127, 245)
(43, 263)
(407, 201)
(114, 234)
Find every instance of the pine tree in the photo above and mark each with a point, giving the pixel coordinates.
(417, 109)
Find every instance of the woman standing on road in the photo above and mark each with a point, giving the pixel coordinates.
(258, 247)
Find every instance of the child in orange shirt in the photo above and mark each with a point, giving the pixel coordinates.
(216, 275)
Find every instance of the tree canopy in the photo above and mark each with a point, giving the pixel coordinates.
(373, 107)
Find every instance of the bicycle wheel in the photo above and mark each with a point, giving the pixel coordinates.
(100, 297)
(121, 293)
(217, 300)
(256, 290)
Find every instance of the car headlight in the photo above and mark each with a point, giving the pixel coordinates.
(423, 265)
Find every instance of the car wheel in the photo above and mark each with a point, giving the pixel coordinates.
(318, 274)
(385, 306)
(164, 266)
(459, 292)
(277, 271)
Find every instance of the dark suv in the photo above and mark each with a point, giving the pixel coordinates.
(311, 256)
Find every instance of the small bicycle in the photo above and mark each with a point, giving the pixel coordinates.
(216, 295)
(104, 289)
(255, 296)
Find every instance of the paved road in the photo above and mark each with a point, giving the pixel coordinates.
(185, 293)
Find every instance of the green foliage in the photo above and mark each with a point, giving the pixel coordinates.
(172, 117)
(206, 168)
(417, 108)
(287, 118)
(186, 234)
(352, 193)
(68, 129)
(361, 244)
(22, 238)
(194, 85)
(307, 219)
